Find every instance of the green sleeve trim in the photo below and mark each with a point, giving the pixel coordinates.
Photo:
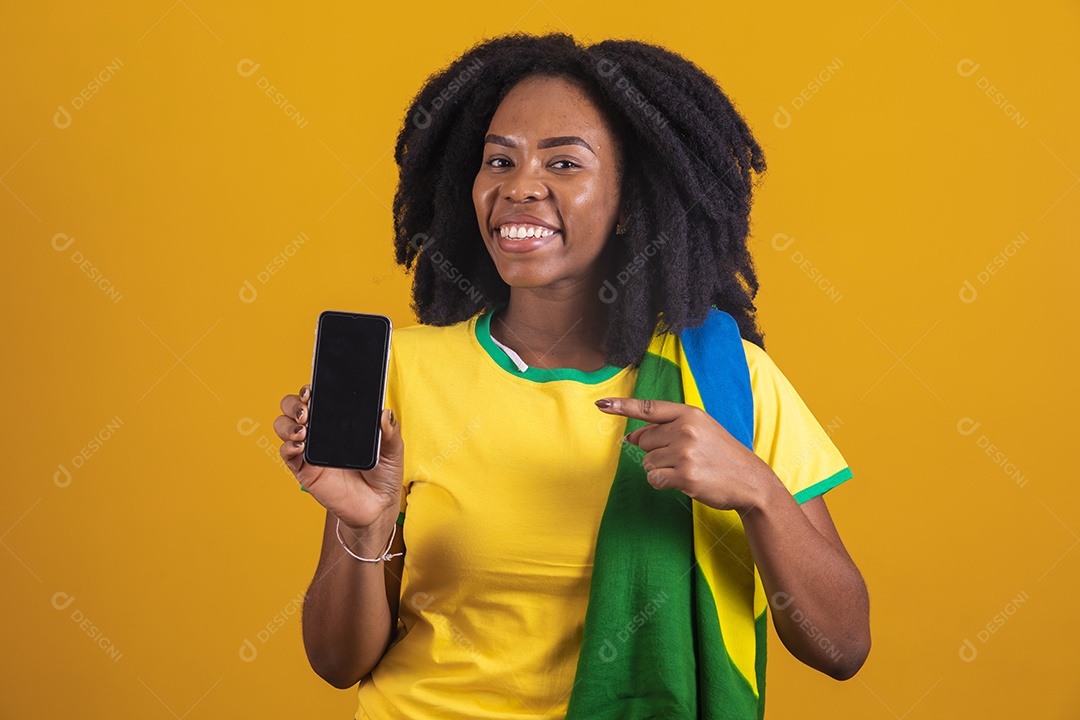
(823, 486)
(302, 488)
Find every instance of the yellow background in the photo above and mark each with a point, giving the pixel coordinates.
(182, 537)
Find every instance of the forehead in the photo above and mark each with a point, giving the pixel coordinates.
(541, 106)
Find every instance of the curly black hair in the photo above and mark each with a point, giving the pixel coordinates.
(688, 159)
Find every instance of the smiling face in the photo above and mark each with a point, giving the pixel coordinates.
(547, 192)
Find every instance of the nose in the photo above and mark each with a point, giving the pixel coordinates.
(522, 185)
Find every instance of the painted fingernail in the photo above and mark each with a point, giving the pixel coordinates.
(297, 428)
(604, 403)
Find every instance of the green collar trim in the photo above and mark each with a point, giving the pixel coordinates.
(496, 353)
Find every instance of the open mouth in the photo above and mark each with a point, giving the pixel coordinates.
(523, 231)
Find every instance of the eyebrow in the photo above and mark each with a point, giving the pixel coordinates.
(545, 143)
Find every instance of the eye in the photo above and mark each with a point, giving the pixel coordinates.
(492, 162)
(569, 163)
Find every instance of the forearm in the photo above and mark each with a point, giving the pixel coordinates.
(818, 598)
(347, 618)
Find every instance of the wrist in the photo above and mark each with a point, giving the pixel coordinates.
(769, 492)
(370, 540)
(384, 514)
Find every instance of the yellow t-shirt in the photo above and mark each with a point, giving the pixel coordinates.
(507, 474)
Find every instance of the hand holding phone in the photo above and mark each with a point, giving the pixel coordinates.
(359, 497)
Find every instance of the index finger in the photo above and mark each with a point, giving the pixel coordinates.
(657, 411)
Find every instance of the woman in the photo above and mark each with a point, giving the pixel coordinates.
(557, 567)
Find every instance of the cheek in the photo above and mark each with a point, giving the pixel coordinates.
(476, 190)
(482, 193)
(592, 205)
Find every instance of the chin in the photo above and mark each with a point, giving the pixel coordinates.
(530, 278)
(526, 281)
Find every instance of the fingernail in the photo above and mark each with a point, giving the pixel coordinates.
(604, 403)
(626, 436)
(392, 417)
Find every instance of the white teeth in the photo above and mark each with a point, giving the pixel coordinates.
(524, 231)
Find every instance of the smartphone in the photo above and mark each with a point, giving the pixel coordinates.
(348, 388)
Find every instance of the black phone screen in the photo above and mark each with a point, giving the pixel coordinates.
(348, 382)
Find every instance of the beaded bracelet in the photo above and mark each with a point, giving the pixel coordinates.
(386, 555)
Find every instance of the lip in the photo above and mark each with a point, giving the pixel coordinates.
(518, 219)
(523, 245)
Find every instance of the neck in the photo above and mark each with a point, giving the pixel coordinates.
(554, 329)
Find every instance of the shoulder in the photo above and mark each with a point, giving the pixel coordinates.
(753, 352)
(759, 363)
(423, 334)
(417, 343)
(412, 350)
(770, 384)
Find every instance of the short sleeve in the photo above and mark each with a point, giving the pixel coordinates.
(787, 436)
